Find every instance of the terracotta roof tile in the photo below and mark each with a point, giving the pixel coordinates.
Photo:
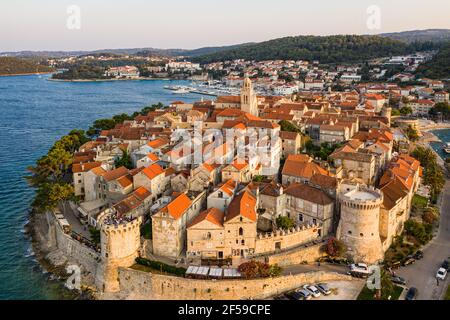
(177, 207)
(212, 215)
(242, 205)
(308, 193)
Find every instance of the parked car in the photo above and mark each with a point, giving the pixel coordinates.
(409, 260)
(304, 293)
(445, 265)
(323, 287)
(359, 270)
(398, 280)
(294, 295)
(441, 274)
(312, 289)
(418, 255)
(281, 297)
(411, 294)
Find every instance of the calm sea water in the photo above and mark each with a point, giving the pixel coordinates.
(444, 136)
(34, 113)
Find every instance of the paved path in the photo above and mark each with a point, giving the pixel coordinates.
(422, 273)
(301, 268)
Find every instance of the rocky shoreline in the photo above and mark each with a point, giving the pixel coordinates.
(50, 258)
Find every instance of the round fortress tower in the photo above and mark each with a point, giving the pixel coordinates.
(120, 244)
(359, 224)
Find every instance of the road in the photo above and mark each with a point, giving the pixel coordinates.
(422, 273)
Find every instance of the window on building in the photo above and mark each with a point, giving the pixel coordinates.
(361, 234)
(349, 232)
(243, 242)
(241, 231)
(300, 217)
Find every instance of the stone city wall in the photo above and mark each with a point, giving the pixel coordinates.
(147, 285)
(88, 258)
(281, 240)
(309, 253)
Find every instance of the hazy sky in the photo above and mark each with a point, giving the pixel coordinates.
(42, 24)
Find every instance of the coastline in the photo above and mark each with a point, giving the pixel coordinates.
(49, 258)
(109, 80)
(26, 74)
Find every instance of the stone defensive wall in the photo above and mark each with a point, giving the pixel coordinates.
(270, 242)
(87, 257)
(146, 285)
(306, 253)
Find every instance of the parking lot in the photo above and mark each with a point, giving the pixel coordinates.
(343, 290)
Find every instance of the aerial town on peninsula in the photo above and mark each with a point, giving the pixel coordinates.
(300, 166)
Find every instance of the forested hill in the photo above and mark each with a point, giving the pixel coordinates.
(327, 49)
(433, 35)
(438, 67)
(12, 65)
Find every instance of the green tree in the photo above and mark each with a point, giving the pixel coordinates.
(48, 196)
(412, 134)
(284, 222)
(124, 161)
(406, 111)
(442, 108)
(288, 126)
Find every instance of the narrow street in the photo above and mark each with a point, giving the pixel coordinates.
(422, 274)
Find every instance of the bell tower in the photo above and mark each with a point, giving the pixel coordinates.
(249, 102)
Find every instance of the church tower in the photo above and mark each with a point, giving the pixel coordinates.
(249, 102)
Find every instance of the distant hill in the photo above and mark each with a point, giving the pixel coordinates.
(296, 46)
(433, 35)
(326, 49)
(130, 51)
(438, 67)
(12, 65)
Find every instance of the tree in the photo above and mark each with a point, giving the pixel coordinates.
(288, 126)
(442, 108)
(124, 161)
(387, 286)
(49, 195)
(258, 178)
(256, 269)
(433, 175)
(284, 222)
(95, 235)
(412, 134)
(406, 111)
(335, 247)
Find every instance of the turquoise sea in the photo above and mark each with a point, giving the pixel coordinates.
(444, 136)
(34, 113)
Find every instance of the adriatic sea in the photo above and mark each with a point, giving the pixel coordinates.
(34, 113)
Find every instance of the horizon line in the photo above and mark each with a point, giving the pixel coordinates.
(220, 45)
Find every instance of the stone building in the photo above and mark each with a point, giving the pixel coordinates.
(221, 198)
(152, 178)
(169, 223)
(291, 143)
(299, 169)
(309, 205)
(356, 164)
(232, 235)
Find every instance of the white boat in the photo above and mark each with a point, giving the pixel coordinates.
(181, 91)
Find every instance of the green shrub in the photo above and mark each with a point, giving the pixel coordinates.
(284, 222)
(160, 266)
